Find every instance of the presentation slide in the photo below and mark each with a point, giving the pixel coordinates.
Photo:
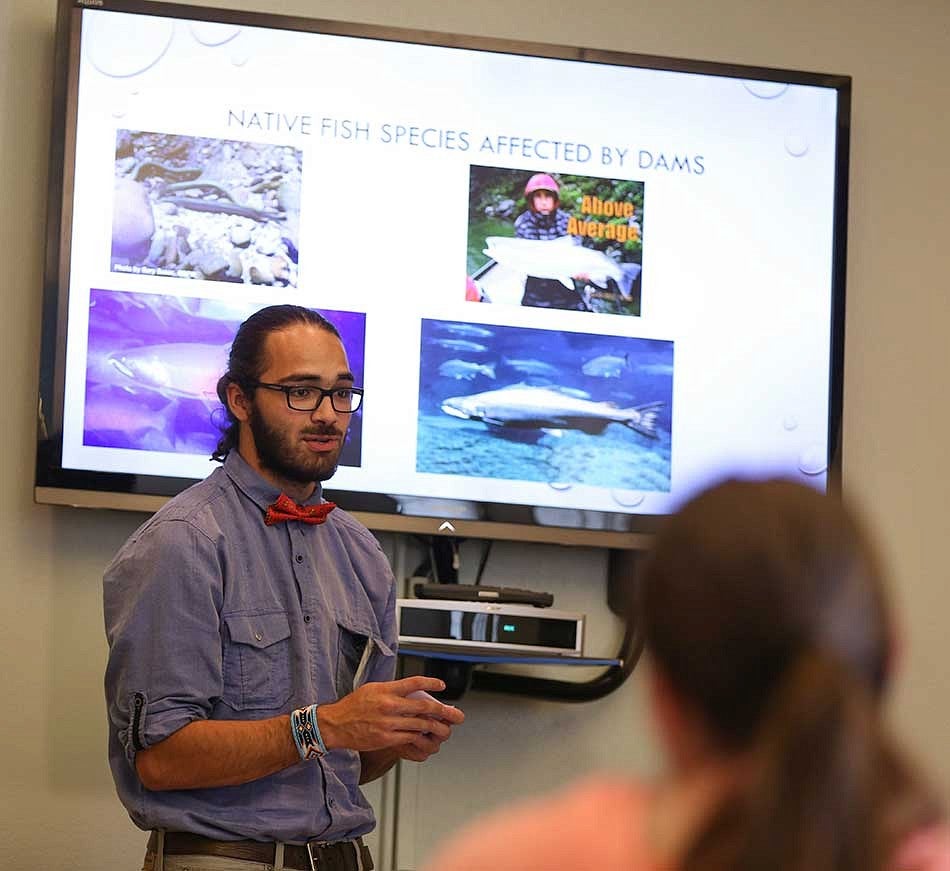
(560, 283)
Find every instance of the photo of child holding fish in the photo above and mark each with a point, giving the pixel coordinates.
(550, 240)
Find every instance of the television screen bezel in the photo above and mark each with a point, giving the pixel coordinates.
(81, 488)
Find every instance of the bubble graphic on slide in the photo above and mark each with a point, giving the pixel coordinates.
(790, 423)
(125, 46)
(628, 498)
(766, 90)
(212, 33)
(796, 145)
(122, 100)
(560, 486)
(240, 53)
(813, 460)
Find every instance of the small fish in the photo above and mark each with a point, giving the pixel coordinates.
(225, 207)
(656, 368)
(461, 345)
(573, 391)
(561, 259)
(460, 369)
(606, 366)
(522, 406)
(533, 367)
(467, 330)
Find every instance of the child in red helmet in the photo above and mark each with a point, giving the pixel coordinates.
(543, 219)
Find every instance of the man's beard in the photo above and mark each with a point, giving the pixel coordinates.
(282, 455)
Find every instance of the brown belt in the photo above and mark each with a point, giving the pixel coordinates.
(312, 856)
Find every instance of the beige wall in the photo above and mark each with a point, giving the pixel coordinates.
(57, 808)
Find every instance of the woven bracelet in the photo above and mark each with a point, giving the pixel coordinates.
(306, 732)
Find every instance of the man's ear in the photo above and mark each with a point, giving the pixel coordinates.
(238, 403)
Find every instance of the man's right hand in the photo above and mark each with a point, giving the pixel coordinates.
(379, 716)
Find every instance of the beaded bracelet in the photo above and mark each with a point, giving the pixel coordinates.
(306, 732)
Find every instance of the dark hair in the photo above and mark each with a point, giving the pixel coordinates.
(246, 360)
(764, 607)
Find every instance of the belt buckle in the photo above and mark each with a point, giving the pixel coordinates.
(314, 848)
(313, 851)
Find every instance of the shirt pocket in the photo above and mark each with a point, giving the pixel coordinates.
(257, 661)
(358, 657)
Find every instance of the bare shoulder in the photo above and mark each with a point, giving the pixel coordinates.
(925, 850)
(591, 824)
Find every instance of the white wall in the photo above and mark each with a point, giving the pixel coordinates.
(57, 807)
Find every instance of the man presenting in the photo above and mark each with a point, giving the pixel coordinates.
(252, 633)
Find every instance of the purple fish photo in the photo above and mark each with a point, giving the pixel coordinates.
(212, 209)
(152, 368)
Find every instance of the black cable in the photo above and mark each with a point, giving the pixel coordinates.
(433, 565)
(486, 550)
(424, 569)
(444, 554)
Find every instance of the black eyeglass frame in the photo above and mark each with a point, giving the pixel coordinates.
(324, 394)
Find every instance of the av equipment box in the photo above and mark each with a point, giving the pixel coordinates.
(488, 627)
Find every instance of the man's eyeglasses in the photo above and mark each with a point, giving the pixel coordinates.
(301, 397)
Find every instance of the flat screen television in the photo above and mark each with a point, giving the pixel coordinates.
(576, 285)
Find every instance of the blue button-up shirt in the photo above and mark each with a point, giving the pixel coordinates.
(210, 614)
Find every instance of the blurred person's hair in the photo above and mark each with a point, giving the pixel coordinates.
(765, 610)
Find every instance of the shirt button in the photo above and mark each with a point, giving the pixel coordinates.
(331, 802)
(258, 636)
(306, 618)
(299, 557)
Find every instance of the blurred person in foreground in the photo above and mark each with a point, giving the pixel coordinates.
(770, 645)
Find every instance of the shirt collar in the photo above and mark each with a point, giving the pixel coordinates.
(260, 491)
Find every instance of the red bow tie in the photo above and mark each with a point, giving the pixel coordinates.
(284, 508)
